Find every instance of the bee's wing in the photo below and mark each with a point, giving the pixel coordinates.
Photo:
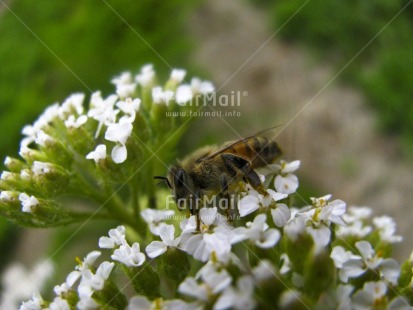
(256, 148)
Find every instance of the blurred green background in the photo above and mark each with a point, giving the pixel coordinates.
(49, 49)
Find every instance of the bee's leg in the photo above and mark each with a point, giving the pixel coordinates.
(194, 209)
(229, 210)
(238, 165)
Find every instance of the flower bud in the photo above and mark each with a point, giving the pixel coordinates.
(14, 164)
(31, 155)
(57, 152)
(175, 264)
(50, 179)
(80, 138)
(145, 280)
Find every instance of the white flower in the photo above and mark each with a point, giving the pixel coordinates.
(26, 174)
(320, 217)
(279, 211)
(357, 213)
(73, 122)
(7, 175)
(59, 304)
(343, 293)
(216, 277)
(210, 217)
(239, 297)
(355, 218)
(253, 201)
(340, 256)
(356, 228)
(102, 110)
(87, 303)
(183, 94)
(119, 133)
(146, 76)
(258, 232)
(296, 226)
(356, 266)
(178, 75)
(286, 182)
(85, 265)
(215, 236)
(156, 248)
(43, 138)
(129, 107)
(201, 87)
(97, 280)
(74, 103)
(125, 87)
(202, 245)
(30, 131)
(191, 287)
(370, 295)
(116, 238)
(35, 303)
(28, 202)
(40, 168)
(320, 201)
(129, 256)
(161, 96)
(332, 212)
(155, 218)
(7, 195)
(19, 283)
(61, 289)
(98, 154)
(387, 229)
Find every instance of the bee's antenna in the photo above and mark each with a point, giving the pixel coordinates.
(163, 179)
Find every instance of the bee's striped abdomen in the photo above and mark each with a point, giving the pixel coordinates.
(259, 150)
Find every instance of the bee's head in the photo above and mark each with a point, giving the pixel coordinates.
(180, 183)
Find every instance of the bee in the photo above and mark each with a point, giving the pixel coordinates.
(212, 170)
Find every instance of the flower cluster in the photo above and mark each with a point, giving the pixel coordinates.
(269, 250)
(88, 148)
(274, 255)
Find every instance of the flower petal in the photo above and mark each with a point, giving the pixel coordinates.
(270, 238)
(247, 205)
(390, 270)
(286, 184)
(365, 249)
(106, 243)
(156, 248)
(119, 153)
(167, 232)
(208, 215)
(281, 215)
